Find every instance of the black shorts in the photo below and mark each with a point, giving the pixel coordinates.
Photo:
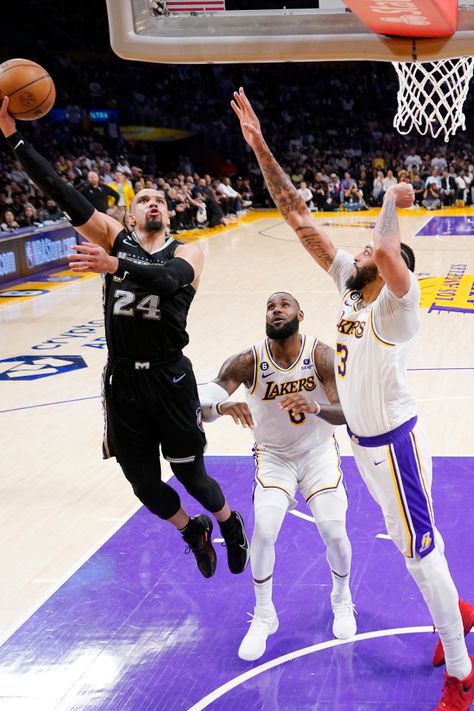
(147, 408)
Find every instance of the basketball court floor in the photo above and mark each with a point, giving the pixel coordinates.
(100, 608)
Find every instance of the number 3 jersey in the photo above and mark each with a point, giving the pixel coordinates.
(278, 429)
(371, 353)
(139, 325)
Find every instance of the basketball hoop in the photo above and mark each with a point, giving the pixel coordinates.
(432, 94)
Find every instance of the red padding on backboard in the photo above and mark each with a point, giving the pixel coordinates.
(407, 18)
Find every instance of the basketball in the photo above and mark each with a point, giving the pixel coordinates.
(30, 88)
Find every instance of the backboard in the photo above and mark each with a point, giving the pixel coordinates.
(207, 31)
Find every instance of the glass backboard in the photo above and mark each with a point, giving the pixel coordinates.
(222, 31)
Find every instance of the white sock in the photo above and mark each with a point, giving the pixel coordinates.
(263, 598)
(432, 576)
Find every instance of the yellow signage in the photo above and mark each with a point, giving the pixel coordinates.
(453, 292)
(153, 133)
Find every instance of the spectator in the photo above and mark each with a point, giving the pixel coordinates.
(29, 218)
(448, 188)
(389, 180)
(121, 185)
(9, 223)
(431, 198)
(418, 188)
(412, 161)
(51, 213)
(334, 192)
(378, 190)
(307, 195)
(99, 194)
(463, 185)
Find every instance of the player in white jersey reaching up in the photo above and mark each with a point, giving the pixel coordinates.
(292, 408)
(379, 316)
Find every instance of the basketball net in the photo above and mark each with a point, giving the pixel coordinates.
(432, 94)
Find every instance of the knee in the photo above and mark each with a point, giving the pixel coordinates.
(333, 532)
(264, 534)
(158, 497)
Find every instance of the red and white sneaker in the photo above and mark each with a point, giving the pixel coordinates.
(467, 614)
(458, 694)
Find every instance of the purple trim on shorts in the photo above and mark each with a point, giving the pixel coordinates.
(386, 438)
(409, 480)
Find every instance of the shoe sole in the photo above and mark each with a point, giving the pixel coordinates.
(254, 658)
(209, 554)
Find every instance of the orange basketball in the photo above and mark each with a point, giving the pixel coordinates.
(30, 88)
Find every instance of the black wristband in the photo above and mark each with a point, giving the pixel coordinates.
(160, 279)
(15, 140)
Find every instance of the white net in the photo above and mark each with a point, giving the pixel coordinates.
(432, 94)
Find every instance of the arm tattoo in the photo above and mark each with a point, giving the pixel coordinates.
(236, 370)
(313, 244)
(325, 367)
(280, 187)
(387, 226)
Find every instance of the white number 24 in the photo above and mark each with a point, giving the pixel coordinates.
(124, 306)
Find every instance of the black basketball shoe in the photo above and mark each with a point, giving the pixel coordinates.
(236, 542)
(197, 535)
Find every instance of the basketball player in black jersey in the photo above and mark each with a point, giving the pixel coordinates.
(150, 392)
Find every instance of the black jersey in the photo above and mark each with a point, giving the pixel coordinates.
(139, 325)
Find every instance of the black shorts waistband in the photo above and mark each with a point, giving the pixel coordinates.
(130, 364)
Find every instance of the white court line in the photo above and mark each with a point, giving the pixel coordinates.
(304, 651)
(58, 582)
(445, 399)
(306, 517)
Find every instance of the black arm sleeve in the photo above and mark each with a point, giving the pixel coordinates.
(113, 193)
(77, 208)
(159, 279)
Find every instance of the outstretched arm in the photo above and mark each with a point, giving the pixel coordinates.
(92, 224)
(284, 194)
(236, 370)
(387, 255)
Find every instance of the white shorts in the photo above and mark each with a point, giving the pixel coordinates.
(398, 474)
(316, 473)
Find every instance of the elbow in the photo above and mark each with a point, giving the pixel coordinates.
(384, 255)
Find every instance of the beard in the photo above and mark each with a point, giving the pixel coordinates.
(153, 226)
(362, 277)
(279, 333)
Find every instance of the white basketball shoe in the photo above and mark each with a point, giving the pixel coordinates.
(344, 625)
(254, 643)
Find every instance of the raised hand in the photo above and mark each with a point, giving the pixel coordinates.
(7, 122)
(404, 194)
(91, 257)
(249, 122)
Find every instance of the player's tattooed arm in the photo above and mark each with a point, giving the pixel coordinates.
(284, 194)
(316, 243)
(237, 370)
(387, 239)
(324, 361)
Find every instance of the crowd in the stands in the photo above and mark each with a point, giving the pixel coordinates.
(330, 126)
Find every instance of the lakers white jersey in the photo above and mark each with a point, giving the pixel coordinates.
(276, 428)
(371, 354)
